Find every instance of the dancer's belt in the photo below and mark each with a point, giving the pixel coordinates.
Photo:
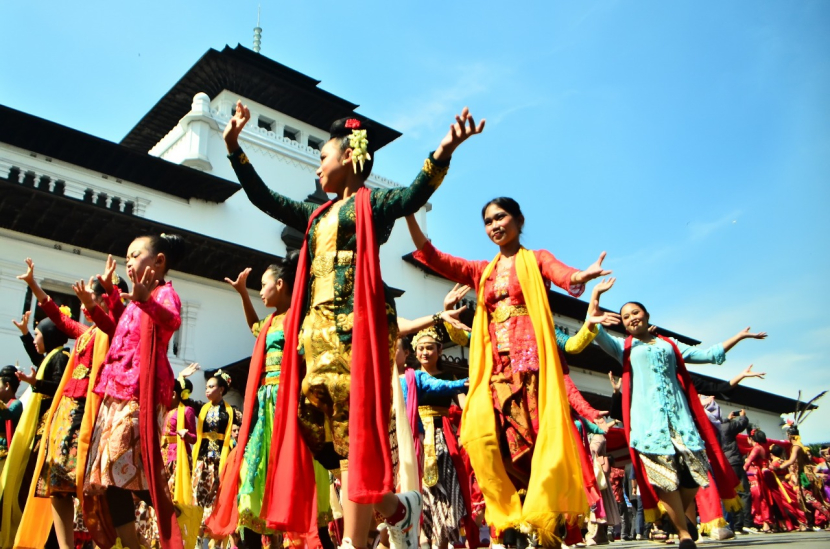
(271, 381)
(324, 264)
(80, 372)
(171, 438)
(212, 435)
(428, 413)
(504, 311)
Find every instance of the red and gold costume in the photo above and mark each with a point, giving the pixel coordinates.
(756, 462)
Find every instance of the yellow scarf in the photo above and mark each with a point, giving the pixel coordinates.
(226, 442)
(555, 492)
(20, 450)
(190, 518)
(37, 517)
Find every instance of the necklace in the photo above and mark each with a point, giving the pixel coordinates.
(84, 340)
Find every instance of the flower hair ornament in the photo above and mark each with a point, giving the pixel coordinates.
(430, 332)
(185, 392)
(66, 310)
(359, 143)
(224, 376)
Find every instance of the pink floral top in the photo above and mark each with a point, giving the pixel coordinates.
(119, 375)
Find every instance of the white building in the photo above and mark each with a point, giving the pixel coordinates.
(68, 199)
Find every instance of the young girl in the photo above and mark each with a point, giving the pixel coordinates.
(175, 434)
(756, 461)
(665, 425)
(136, 386)
(63, 456)
(517, 381)
(348, 329)
(21, 461)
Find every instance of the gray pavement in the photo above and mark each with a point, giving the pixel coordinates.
(805, 540)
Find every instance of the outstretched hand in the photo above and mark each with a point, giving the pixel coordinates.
(452, 318)
(29, 276)
(109, 271)
(30, 379)
(235, 125)
(749, 373)
(606, 319)
(595, 270)
(142, 288)
(240, 284)
(85, 294)
(23, 325)
(605, 424)
(616, 384)
(455, 295)
(746, 334)
(190, 370)
(463, 128)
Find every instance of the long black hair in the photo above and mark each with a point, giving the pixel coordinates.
(7, 375)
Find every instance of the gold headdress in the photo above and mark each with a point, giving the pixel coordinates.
(430, 332)
(224, 376)
(185, 392)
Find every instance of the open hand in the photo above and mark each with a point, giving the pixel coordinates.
(109, 271)
(455, 295)
(605, 424)
(23, 325)
(463, 128)
(235, 125)
(749, 373)
(142, 288)
(603, 285)
(606, 319)
(190, 370)
(241, 280)
(29, 276)
(182, 433)
(746, 334)
(595, 270)
(30, 379)
(85, 294)
(452, 318)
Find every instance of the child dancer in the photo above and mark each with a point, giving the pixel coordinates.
(62, 459)
(348, 330)
(136, 386)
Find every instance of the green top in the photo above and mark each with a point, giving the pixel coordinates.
(387, 206)
(274, 344)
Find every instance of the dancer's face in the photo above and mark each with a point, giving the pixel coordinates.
(427, 352)
(270, 291)
(333, 171)
(501, 227)
(400, 356)
(635, 319)
(40, 346)
(140, 256)
(213, 392)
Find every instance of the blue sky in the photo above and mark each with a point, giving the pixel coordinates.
(689, 139)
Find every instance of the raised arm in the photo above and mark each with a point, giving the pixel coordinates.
(26, 338)
(454, 268)
(240, 285)
(746, 374)
(291, 212)
(428, 385)
(740, 336)
(559, 273)
(610, 344)
(163, 306)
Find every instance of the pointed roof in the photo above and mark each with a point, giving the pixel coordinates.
(255, 77)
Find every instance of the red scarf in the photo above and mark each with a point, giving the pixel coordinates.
(725, 478)
(413, 418)
(149, 402)
(225, 517)
(290, 502)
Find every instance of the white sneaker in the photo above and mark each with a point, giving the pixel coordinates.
(346, 544)
(404, 534)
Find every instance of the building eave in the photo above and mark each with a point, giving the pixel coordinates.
(53, 140)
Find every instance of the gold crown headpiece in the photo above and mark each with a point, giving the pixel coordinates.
(430, 332)
(224, 376)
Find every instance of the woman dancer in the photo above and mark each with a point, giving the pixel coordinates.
(46, 348)
(516, 378)
(10, 410)
(665, 424)
(782, 492)
(756, 462)
(348, 330)
(63, 456)
(136, 386)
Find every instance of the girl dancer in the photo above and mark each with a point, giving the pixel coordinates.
(665, 424)
(516, 378)
(348, 330)
(756, 462)
(63, 456)
(136, 386)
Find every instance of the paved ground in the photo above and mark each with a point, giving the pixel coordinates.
(802, 540)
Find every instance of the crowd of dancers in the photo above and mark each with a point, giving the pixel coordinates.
(341, 441)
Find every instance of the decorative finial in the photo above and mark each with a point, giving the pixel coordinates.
(258, 31)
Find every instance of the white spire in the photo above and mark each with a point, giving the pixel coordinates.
(258, 31)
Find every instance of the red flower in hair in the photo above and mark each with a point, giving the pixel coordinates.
(353, 124)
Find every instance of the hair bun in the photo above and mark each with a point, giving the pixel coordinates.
(174, 248)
